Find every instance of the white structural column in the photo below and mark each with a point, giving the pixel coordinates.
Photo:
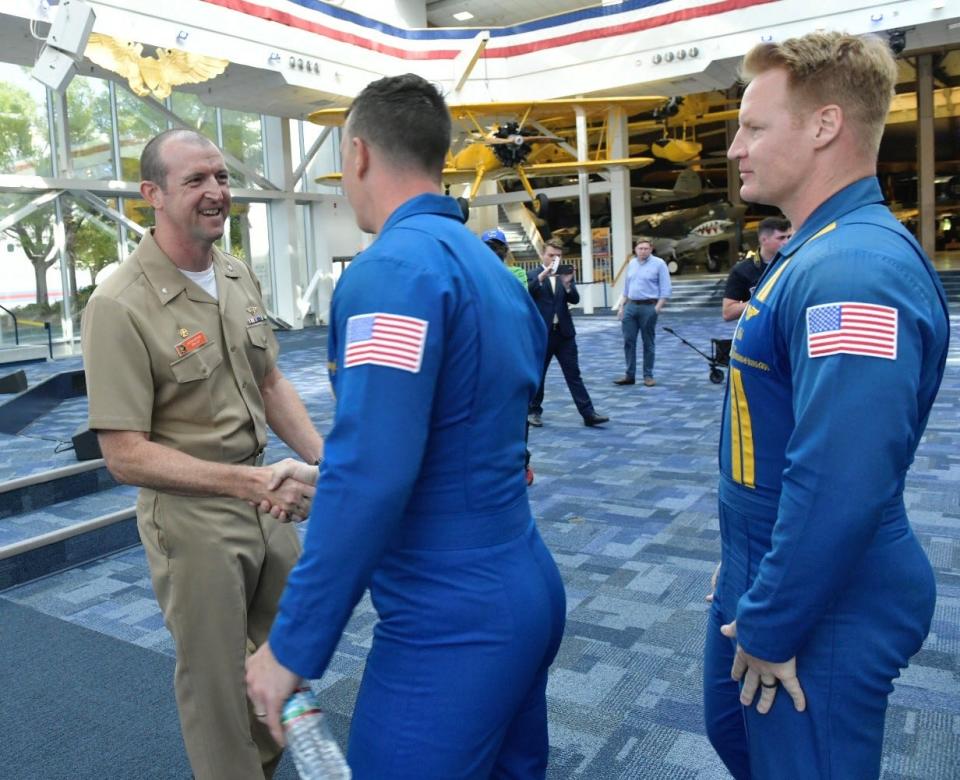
(621, 205)
(586, 231)
(926, 196)
(285, 249)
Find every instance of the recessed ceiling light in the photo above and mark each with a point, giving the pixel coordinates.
(462, 16)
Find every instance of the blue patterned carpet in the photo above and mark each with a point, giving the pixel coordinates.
(629, 512)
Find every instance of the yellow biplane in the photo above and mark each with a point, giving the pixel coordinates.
(520, 140)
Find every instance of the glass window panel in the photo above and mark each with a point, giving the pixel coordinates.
(11, 201)
(200, 117)
(250, 241)
(139, 122)
(29, 280)
(243, 138)
(326, 160)
(91, 128)
(24, 139)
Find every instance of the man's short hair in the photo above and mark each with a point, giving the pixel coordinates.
(406, 118)
(152, 167)
(643, 240)
(773, 225)
(856, 73)
(556, 243)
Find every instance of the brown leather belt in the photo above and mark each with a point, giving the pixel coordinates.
(643, 300)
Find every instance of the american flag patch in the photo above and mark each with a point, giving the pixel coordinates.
(852, 329)
(390, 340)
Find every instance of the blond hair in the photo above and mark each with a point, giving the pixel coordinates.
(556, 243)
(856, 73)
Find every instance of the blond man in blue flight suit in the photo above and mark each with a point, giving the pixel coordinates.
(423, 497)
(824, 592)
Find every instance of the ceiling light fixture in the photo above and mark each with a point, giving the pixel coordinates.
(462, 16)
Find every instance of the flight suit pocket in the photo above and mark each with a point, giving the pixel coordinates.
(196, 365)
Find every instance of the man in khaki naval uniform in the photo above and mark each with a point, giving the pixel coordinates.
(182, 381)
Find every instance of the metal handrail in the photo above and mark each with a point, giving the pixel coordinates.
(16, 330)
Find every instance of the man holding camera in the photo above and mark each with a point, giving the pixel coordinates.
(553, 289)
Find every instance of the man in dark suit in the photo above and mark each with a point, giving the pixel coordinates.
(552, 292)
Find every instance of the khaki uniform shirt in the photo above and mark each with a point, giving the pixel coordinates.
(163, 357)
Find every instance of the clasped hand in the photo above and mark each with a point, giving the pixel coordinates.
(288, 490)
(765, 675)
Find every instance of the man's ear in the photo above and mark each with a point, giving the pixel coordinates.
(361, 157)
(152, 193)
(828, 123)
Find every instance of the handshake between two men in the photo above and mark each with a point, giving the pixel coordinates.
(287, 489)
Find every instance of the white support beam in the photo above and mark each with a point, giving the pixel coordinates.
(586, 231)
(621, 202)
(308, 157)
(26, 210)
(286, 254)
(102, 207)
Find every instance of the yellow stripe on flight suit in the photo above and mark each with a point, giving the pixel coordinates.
(741, 433)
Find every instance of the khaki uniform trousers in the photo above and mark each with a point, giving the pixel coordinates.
(218, 568)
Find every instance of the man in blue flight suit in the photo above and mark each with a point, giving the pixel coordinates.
(422, 496)
(824, 590)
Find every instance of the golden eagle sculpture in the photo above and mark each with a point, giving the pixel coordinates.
(152, 75)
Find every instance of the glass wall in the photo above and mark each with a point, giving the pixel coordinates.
(243, 138)
(91, 129)
(53, 248)
(24, 136)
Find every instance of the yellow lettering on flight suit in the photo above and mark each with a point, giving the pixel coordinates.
(741, 433)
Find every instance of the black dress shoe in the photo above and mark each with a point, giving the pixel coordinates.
(534, 420)
(595, 419)
(625, 380)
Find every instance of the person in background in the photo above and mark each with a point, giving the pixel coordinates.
(422, 497)
(553, 291)
(645, 293)
(772, 233)
(182, 380)
(825, 592)
(497, 242)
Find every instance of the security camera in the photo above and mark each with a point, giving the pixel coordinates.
(898, 41)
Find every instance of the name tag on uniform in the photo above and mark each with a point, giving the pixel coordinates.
(186, 346)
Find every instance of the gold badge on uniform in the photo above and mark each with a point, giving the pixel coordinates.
(183, 333)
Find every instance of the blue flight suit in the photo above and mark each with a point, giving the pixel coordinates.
(422, 498)
(824, 411)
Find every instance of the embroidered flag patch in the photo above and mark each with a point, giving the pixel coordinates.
(852, 329)
(390, 340)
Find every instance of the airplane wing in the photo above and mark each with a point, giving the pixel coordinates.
(537, 110)
(466, 176)
(575, 166)
(544, 109)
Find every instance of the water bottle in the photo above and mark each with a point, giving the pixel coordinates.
(315, 751)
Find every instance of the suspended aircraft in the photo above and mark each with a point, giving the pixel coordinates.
(688, 236)
(507, 139)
